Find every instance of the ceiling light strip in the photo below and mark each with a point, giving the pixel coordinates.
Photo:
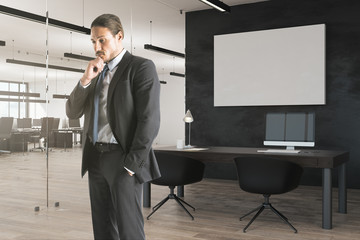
(41, 19)
(34, 64)
(177, 74)
(222, 7)
(163, 50)
(61, 96)
(79, 57)
(22, 100)
(19, 94)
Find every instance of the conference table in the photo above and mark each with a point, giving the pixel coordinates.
(327, 160)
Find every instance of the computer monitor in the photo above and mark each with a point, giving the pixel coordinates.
(23, 122)
(36, 122)
(290, 130)
(74, 123)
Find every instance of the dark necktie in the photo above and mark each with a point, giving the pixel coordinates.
(98, 89)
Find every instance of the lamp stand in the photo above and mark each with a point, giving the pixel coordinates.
(189, 145)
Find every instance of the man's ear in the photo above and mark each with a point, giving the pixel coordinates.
(120, 35)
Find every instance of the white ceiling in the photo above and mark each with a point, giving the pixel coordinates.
(26, 40)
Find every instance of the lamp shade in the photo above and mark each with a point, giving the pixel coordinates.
(188, 117)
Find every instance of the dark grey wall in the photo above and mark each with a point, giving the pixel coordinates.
(337, 122)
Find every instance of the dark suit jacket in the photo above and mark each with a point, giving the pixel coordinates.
(133, 110)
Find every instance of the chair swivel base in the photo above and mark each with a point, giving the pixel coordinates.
(177, 199)
(259, 210)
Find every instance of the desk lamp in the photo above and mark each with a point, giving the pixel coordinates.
(188, 119)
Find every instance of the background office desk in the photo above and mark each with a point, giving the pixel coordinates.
(66, 137)
(20, 138)
(63, 138)
(324, 159)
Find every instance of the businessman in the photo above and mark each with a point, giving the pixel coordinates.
(119, 96)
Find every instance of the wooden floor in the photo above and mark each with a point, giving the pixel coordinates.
(219, 203)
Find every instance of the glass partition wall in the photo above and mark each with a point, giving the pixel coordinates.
(41, 176)
(40, 152)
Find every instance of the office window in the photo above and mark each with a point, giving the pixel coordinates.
(22, 110)
(14, 87)
(13, 105)
(4, 111)
(4, 86)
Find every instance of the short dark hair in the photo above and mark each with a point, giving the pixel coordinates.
(110, 21)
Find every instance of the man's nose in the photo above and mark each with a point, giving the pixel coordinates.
(97, 46)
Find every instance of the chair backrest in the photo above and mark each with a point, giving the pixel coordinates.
(44, 126)
(55, 124)
(24, 123)
(267, 175)
(6, 124)
(36, 122)
(74, 123)
(178, 170)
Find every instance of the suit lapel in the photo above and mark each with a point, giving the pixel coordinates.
(117, 76)
(124, 63)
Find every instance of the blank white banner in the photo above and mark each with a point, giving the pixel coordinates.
(271, 67)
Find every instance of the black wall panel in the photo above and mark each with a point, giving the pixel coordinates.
(337, 122)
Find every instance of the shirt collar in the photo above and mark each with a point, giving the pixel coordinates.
(113, 63)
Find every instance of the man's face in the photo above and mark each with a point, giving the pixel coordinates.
(106, 46)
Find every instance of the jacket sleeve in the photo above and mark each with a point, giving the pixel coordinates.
(78, 101)
(146, 94)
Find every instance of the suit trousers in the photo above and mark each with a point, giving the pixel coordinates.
(115, 198)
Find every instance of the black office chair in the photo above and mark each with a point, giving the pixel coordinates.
(54, 128)
(36, 123)
(267, 176)
(6, 124)
(74, 123)
(23, 123)
(47, 125)
(177, 171)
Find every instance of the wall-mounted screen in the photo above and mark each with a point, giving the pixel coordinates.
(270, 67)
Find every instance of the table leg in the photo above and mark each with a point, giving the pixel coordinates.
(180, 191)
(147, 194)
(342, 208)
(327, 199)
